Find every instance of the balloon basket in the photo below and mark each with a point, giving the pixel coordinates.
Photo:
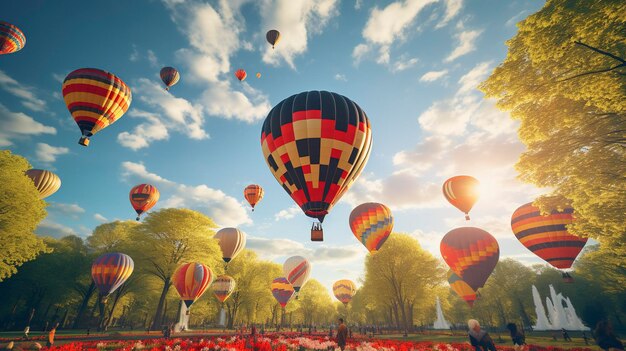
(317, 235)
(467, 217)
(84, 141)
(567, 278)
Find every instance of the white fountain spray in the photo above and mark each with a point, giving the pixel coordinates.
(441, 322)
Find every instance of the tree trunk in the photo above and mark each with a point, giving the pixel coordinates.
(411, 317)
(158, 315)
(404, 317)
(64, 319)
(118, 294)
(83, 305)
(395, 314)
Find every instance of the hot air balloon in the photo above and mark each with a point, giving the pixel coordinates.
(344, 290)
(547, 236)
(96, 99)
(110, 271)
(143, 197)
(191, 281)
(258, 75)
(471, 253)
(273, 37)
(232, 241)
(253, 194)
(223, 287)
(371, 224)
(241, 74)
(461, 288)
(11, 38)
(46, 182)
(282, 291)
(461, 192)
(169, 76)
(297, 271)
(316, 144)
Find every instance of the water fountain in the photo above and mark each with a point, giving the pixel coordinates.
(559, 316)
(441, 322)
(183, 318)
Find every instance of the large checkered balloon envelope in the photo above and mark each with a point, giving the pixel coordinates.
(316, 144)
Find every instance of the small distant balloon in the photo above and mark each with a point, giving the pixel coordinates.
(344, 290)
(282, 291)
(371, 224)
(223, 287)
(258, 75)
(253, 194)
(273, 37)
(143, 197)
(46, 182)
(169, 76)
(241, 74)
(11, 38)
(461, 192)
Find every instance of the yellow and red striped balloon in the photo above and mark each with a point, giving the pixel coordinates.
(111, 270)
(96, 99)
(461, 288)
(297, 270)
(223, 287)
(253, 194)
(371, 224)
(547, 236)
(46, 182)
(344, 290)
(169, 76)
(143, 197)
(461, 192)
(191, 281)
(11, 38)
(282, 291)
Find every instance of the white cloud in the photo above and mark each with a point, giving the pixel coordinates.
(359, 52)
(59, 78)
(386, 25)
(144, 133)
(100, 218)
(475, 76)
(423, 156)
(448, 117)
(17, 125)
(403, 64)
(453, 8)
(25, 93)
(433, 75)
(221, 100)
(66, 210)
(48, 153)
(297, 20)
(272, 249)
(358, 4)
(467, 43)
(287, 213)
(152, 58)
(513, 20)
(222, 208)
(48, 227)
(341, 77)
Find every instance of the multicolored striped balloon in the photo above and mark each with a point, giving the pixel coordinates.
(232, 241)
(461, 192)
(471, 253)
(111, 270)
(253, 194)
(297, 270)
(344, 290)
(191, 281)
(371, 224)
(169, 76)
(282, 291)
(46, 182)
(223, 287)
(11, 38)
(96, 99)
(143, 197)
(547, 236)
(461, 288)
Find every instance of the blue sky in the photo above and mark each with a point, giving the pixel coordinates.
(413, 66)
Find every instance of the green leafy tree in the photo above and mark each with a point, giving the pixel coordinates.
(564, 79)
(21, 210)
(315, 305)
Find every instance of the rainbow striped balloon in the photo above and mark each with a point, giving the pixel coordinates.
(344, 290)
(371, 224)
(223, 287)
(547, 236)
(169, 76)
(111, 270)
(461, 288)
(96, 99)
(191, 281)
(297, 270)
(282, 291)
(11, 38)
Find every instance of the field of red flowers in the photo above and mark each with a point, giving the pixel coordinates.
(269, 343)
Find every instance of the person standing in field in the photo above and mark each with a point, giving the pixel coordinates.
(51, 335)
(519, 339)
(342, 335)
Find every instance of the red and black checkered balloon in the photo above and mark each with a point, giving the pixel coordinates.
(316, 144)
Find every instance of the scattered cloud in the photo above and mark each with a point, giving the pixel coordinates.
(518, 17)
(433, 75)
(423, 156)
(16, 125)
(467, 43)
(341, 77)
(274, 248)
(403, 64)
(68, 210)
(144, 133)
(287, 213)
(249, 106)
(471, 79)
(48, 153)
(100, 218)
(23, 92)
(48, 227)
(222, 208)
(359, 53)
(453, 8)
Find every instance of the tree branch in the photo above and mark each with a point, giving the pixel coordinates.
(593, 72)
(602, 52)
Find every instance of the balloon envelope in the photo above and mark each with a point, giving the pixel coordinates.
(11, 38)
(297, 270)
(316, 144)
(371, 224)
(282, 291)
(143, 197)
(111, 270)
(547, 236)
(471, 253)
(273, 37)
(46, 182)
(344, 290)
(169, 76)
(223, 287)
(461, 288)
(461, 192)
(191, 281)
(232, 241)
(253, 194)
(241, 74)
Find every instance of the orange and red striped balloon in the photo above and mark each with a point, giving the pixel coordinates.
(111, 270)
(143, 197)
(11, 38)
(96, 99)
(282, 291)
(241, 74)
(223, 287)
(344, 290)
(371, 224)
(461, 288)
(253, 194)
(297, 270)
(461, 192)
(547, 236)
(191, 281)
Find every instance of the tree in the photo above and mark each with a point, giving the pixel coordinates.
(21, 210)
(168, 238)
(564, 79)
(315, 304)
